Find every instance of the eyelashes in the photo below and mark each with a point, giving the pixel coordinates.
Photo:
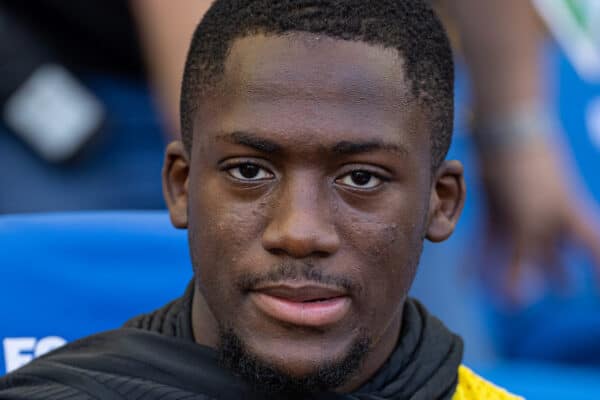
(357, 177)
(360, 179)
(249, 172)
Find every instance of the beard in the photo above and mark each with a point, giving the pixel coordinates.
(269, 379)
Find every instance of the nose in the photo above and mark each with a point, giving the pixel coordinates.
(301, 224)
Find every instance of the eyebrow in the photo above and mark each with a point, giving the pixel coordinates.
(352, 148)
(252, 141)
(341, 148)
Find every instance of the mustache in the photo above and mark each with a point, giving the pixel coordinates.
(290, 271)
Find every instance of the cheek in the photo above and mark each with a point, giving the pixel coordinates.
(387, 246)
(389, 263)
(390, 254)
(222, 231)
(386, 232)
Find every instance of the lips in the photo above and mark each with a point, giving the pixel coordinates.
(303, 305)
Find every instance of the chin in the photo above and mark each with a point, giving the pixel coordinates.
(295, 367)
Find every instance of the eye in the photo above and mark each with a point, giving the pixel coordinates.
(249, 172)
(360, 179)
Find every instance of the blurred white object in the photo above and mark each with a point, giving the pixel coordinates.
(53, 113)
(576, 26)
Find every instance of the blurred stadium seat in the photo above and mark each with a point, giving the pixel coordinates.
(70, 275)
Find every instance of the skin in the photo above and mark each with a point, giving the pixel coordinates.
(308, 112)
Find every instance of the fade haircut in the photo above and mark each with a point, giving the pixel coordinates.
(409, 26)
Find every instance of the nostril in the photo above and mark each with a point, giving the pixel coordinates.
(277, 251)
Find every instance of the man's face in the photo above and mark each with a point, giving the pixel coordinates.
(307, 199)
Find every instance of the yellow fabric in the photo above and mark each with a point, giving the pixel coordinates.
(473, 387)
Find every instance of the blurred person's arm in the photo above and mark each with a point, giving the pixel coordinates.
(166, 28)
(533, 207)
(500, 40)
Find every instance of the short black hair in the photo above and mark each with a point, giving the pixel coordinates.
(410, 26)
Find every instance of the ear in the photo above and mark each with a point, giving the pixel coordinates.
(446, 201)
(175, 176)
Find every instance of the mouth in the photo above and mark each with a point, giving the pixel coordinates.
(303, 305)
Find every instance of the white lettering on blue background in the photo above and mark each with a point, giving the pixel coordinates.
(21, 350)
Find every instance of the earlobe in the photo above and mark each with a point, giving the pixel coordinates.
(446, 201)
(175, 176)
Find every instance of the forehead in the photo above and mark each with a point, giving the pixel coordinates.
(311, 86)
(309, 65)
